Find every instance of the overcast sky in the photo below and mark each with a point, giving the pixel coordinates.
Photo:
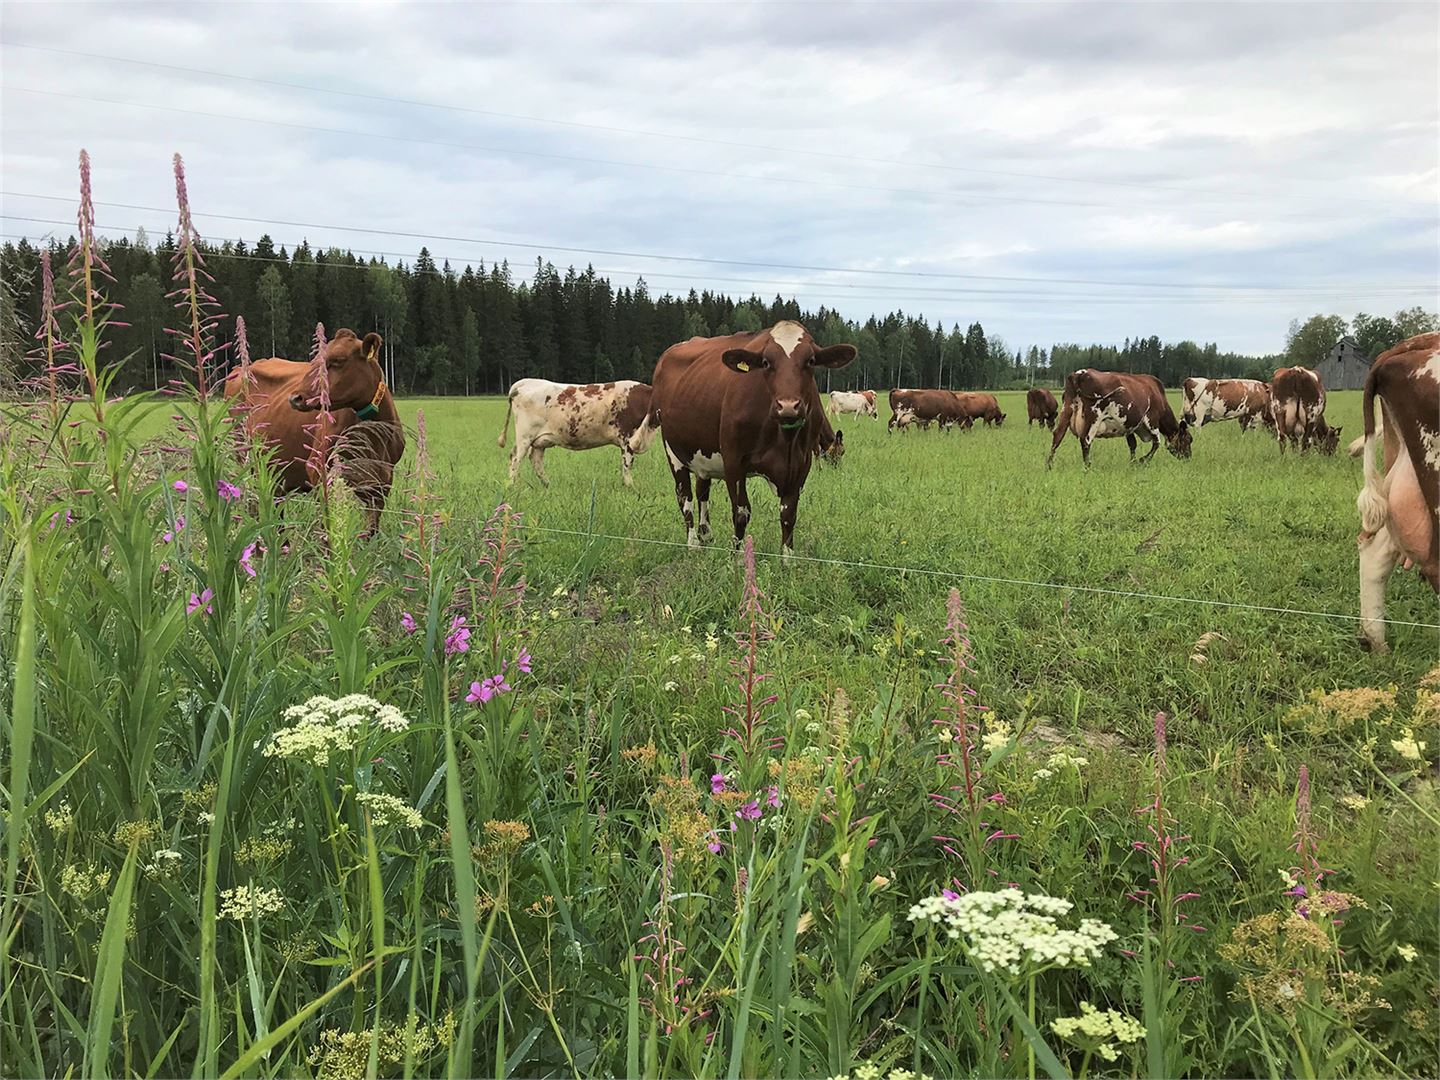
(1057, 171)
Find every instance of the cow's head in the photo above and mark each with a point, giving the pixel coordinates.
(787, 365)
(1328, 439)
(999, 419)
(836, 450)
(1179, 443)
(352, 371)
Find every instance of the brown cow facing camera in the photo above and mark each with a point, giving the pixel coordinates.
(740, 406)
(279, 405)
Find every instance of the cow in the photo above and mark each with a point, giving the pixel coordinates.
(974, 406)
(1040, 405)
(739, 406)
(924, 407)
(1107, 404)
(831, 451)
(859, 402)
(1214, 400)
(1297, 410)
(577, 417)
(358, 433)
(1400, 508)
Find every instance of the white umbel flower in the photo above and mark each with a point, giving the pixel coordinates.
(1009, 930)
(323, 726)
(388, 810)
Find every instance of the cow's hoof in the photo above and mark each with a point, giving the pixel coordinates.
(1378, 648)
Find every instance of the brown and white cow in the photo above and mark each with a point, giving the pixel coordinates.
(577, 417)
(1108, 404)
(360, 436)
(1214, 400)
(1400, 509)
(979, 406)
(1297, 411)
(859, 402)
(739, 406)
(1040, 404)
(922, 408)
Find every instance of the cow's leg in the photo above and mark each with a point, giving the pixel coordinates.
(789, 504)
(739, 504)
(516, 452)
(627, 458)
(1061, 427)
(702, 498)
(686, 499)
(1154, 445)
(1130, 442)
(537, 464)
(1085, 441)
(1378, 558)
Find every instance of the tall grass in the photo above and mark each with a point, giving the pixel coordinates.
(471, 798)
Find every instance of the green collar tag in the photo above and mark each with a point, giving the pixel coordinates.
(367, 412)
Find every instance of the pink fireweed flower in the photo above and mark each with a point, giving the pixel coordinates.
(523, 661)
(481, 692)
(773, 798)
(458, 640)
(169, 534)
(200, 601)
(750, 811)
(180, 486)
(407, 622)
(227, 491)
(247, 555)
(718, 783)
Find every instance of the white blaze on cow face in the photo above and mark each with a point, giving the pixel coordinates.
(787, 335)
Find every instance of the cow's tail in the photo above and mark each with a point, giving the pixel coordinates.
(1359, 444)
(509, 408)
(1371, 502)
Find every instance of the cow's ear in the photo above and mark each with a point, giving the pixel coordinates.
(743, 360)
(833, 356)
(371, 346)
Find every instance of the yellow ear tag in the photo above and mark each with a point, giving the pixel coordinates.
(742, 366)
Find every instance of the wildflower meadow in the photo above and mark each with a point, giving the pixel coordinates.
(505, 791)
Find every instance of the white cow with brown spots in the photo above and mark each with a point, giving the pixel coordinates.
(1400, 507)
(859, 402)
(577, 417)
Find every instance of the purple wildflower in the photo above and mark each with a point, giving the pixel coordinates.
(773, 798)
(197, 602)
(750, 811)
(180, 486)
(481, 692)
(407, 622)
(718, 783)
(169, 534)
(458, 640)
(227, 491)
(247, 555)
(523, 661)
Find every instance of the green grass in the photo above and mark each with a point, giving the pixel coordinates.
(467, 948)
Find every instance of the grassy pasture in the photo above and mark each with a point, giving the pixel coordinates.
(575, 901)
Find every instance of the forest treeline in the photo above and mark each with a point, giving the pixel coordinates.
(476, 330)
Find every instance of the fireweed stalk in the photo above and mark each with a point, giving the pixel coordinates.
(1166, 908)
(747, 730)
(965, 800)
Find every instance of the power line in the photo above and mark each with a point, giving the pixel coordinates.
(658, 257)
(881, 292)
(678, 136)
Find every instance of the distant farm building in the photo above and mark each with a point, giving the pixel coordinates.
(1344, 366)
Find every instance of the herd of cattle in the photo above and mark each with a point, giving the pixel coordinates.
(729, 408)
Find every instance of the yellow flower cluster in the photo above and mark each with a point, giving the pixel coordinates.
(997, 736)
(341, 1055)
(61, 819)
(246, 901)
(1281, 956)
(389, 810)
(503, 839)
(1340, 710)
(643, 756)
(871, 1071)
(1408, 747)
(84, 883)
(1099, 1031)
(798, 778)
(262, 850)
(142, 833)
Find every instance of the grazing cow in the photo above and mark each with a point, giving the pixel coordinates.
(1213, 400)
(1297, 411)
(739, 406)
(1400, 510)
(1107, 404)
(859, 402)
(1040, 405)
(280, 405)
(924, 407)
(579, 417)
(975, 406)
(833, 450)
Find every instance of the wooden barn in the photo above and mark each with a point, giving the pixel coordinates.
(1344, 366)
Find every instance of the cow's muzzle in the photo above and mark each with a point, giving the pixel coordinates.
(299, 404)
